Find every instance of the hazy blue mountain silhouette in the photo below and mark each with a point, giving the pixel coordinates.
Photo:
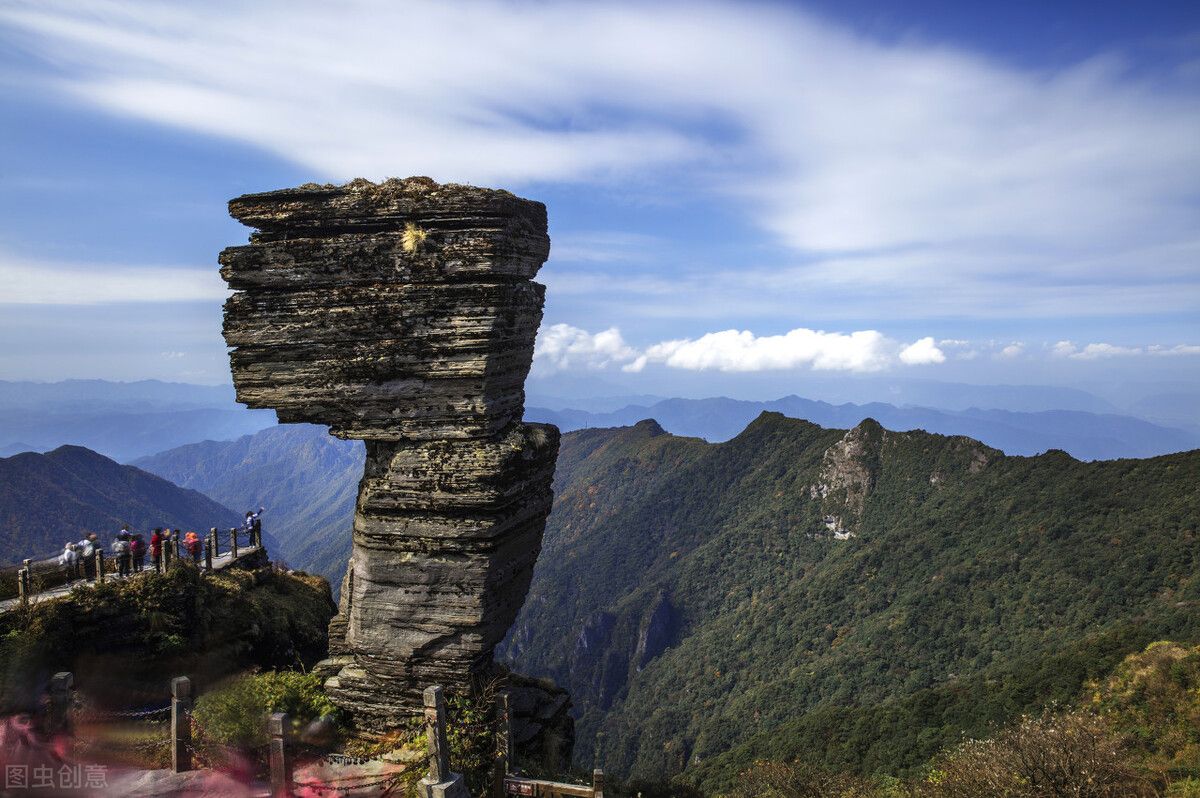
(120, 420)
(1086, 436)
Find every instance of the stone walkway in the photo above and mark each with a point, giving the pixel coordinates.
(220, 562)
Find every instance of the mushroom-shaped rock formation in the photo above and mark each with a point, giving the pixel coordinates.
(404, 314)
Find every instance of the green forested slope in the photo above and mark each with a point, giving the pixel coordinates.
(695, 600)
(305, 478)
(47, 500)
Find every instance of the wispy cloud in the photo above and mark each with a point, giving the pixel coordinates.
(608, 246)
(29, 282)
(1103, 351)
(926, 179)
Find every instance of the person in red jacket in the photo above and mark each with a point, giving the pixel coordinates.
(156, 544)
(191, 544)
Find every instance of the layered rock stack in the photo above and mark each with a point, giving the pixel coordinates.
(404, 314)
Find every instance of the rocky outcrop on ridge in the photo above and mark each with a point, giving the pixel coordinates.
(404, 314)
(849, 470)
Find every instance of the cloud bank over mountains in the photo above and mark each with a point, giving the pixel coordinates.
(563, 347)
(1103, 351)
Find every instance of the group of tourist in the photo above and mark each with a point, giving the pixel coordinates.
(130, 548)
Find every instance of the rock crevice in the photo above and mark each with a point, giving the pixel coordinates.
(404, 314)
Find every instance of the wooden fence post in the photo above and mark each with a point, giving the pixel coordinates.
(99, 566)
(166, 551)
(23, 585)
(216, 542)
(440, 783)
(175, 545)
(60, 700)
(597, 783)
(281, 760)
(233, 549)
(181, 724)
(208, 554)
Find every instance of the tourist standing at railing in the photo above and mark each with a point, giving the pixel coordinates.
(87, 553)
(120, 549)
(191, 543)
(156, 545)
(137, 551)
(253, 527)
(69, 560)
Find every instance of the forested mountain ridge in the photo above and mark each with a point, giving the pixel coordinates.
(696, 597)
(305, 478)
(49, 499)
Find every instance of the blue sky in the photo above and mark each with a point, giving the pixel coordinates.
(1005, 192)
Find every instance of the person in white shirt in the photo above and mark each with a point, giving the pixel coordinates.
(69, 560)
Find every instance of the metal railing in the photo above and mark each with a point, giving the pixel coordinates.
(33, 579)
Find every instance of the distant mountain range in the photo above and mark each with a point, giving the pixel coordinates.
(305, 478)
(98, 395)
(120, 420)
(126, 421)
(1172, 404)
(857, 599)
(49, 499)
(308, 480)
(1087, 436)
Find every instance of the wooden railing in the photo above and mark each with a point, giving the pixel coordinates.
(440, 780)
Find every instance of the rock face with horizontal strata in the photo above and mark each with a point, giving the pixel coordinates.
(404, 314)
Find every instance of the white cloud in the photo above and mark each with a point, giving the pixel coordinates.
(1170, 351)
(29, 282)
(560, 347)
(951, 182)
(1100, 351)
(741, 350)
(922, 352)
(564, 347)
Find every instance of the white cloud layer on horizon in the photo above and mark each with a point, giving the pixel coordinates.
(923, 178)
(1102, 351)
(29, 282)
(562, 347)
